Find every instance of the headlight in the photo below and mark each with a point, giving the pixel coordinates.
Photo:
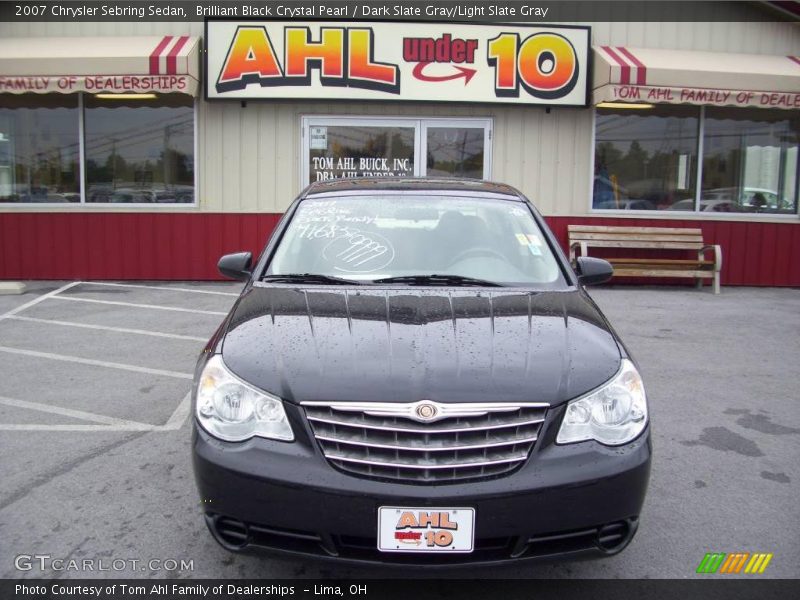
(613, 414)
(233, 411)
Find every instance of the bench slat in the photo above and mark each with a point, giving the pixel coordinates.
(656, 261)
(662, 273)
(637, 237)
(654, 245)
(632, 267)
(605, 228)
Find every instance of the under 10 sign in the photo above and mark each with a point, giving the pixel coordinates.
(379, 61)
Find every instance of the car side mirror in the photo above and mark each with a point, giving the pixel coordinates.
(236, 266)
(593, 270)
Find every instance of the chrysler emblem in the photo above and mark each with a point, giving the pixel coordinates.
(426, 411)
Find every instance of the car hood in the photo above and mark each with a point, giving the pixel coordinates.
(404, 345)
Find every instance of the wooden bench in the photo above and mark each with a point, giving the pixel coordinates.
(583, 237)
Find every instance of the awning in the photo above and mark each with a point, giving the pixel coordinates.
(648, 75)
(144, 64)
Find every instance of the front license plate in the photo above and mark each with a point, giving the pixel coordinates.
(403, 529)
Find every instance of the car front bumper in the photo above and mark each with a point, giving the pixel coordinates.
(573, 501)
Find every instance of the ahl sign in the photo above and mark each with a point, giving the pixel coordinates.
(397, 61)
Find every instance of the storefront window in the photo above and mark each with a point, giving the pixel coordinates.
(39, 149)
(139, 151)
(347, 147)
(750, 160)
(136, 150)
(646, 159)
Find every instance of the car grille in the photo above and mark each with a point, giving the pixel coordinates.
(390, 440)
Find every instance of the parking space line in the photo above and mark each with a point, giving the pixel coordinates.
(154, 306)
(108, 428)
(97, 363)
(102, 423)
(160, 287)
(109, 328)
(177, 418)
(69, 412)
(37, 300)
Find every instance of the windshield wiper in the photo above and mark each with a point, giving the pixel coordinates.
(439, 279)
(309, 278)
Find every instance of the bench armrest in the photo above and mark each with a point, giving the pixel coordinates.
(717, 255)
(572, 254)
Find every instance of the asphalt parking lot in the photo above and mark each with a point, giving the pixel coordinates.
(95, 431)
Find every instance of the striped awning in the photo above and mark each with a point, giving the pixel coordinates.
(146, 64)
(649, 75)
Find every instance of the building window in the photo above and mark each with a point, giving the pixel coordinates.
(39, 148)
(750, 160)
(346, 147)
(455, 149)
(647, 159)
(139, 151)
(135, 150)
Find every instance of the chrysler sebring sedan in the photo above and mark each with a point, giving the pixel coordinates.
(414, 374)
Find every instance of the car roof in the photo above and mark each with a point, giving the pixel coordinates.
(414, 184)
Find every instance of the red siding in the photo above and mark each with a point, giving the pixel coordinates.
(186, 246)
(125, 245)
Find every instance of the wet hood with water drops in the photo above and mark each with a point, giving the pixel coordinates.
(407, 344)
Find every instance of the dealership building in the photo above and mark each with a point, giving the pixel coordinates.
(145, 150)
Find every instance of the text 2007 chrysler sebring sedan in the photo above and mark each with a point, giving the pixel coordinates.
(414, 374)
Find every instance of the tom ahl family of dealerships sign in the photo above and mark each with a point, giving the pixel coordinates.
(397, 61)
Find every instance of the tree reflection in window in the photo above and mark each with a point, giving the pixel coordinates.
(646, 159)
(140, 151)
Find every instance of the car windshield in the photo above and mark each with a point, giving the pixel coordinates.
(380, 237)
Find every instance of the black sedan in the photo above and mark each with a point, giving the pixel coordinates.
(414, 374)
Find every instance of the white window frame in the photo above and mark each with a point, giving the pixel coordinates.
(419, 124)
(66, 206)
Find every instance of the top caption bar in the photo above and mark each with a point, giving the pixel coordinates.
(413, 10)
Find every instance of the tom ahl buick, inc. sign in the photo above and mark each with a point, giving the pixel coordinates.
(397, 61)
